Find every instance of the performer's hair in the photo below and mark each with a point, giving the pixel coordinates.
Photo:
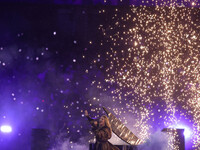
(107, 123)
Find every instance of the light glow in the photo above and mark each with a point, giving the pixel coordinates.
(187, 132)
(6, 129)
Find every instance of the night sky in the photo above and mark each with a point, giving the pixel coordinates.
(58, 59)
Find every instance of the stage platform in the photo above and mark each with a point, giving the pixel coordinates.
(121, 147)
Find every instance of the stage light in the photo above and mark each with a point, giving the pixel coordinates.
(187, 132)
(6, 128)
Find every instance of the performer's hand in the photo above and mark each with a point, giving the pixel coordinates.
(86, 113)
(95, 123)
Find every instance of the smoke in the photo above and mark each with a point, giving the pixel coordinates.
(157, 141)
(63, 143)
(67, 144)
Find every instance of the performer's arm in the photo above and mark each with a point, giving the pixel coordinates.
(92, 121)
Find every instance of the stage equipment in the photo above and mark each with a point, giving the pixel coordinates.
(179, 138)
(121, 130)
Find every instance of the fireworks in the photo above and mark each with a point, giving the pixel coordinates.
(152, 65)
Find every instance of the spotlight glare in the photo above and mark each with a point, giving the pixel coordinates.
(6, 129)
(187, 132)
